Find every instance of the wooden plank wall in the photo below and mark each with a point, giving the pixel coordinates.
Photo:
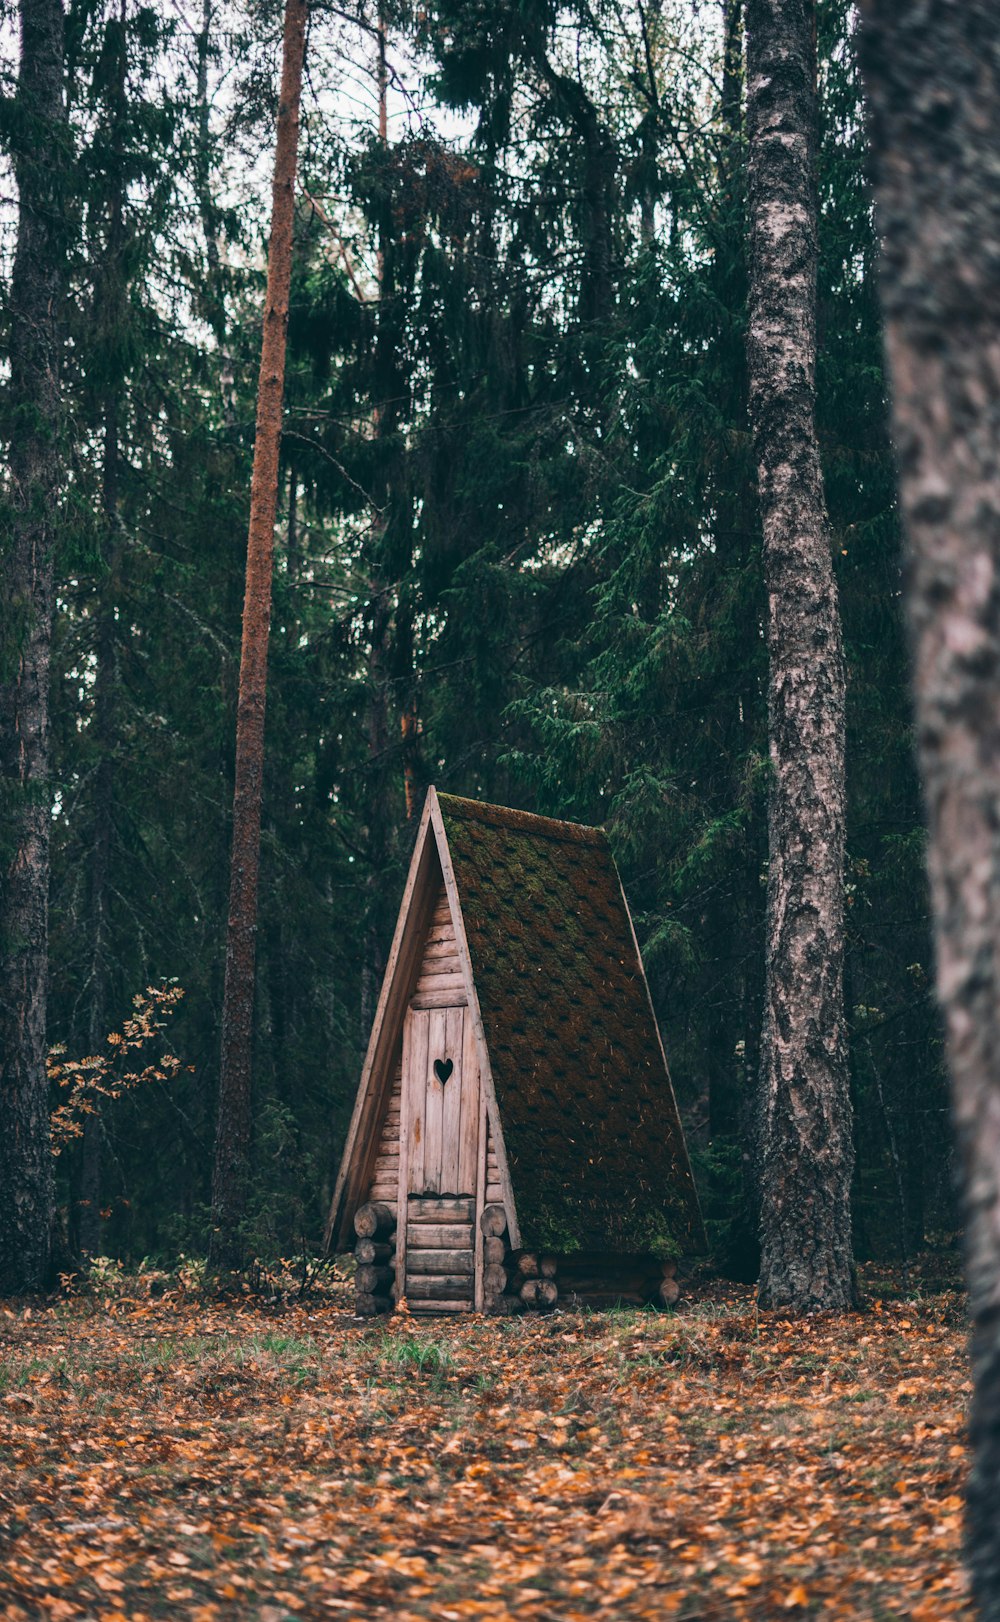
(440, 983)
(494, 1192)
(385, 1179)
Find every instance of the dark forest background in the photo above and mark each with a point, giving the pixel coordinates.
(518, 557)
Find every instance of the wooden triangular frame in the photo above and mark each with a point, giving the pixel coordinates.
(430, 863)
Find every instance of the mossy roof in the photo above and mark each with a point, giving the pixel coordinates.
(593, 1138)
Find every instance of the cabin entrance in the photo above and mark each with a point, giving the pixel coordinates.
(442, 1105)
(441, 1119)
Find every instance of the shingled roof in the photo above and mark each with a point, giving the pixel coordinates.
(594, 1142)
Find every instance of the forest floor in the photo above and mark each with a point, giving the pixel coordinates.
(168, 1456)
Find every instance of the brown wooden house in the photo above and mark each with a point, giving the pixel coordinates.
(515, 1137)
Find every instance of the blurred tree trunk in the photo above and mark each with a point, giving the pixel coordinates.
(932, 75)
(804, 1106)
(36, 481)
(230, 1176)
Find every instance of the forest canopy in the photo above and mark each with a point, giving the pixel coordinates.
(518, 555)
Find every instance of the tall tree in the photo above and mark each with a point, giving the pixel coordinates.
(804, 1114)
(933, 80)
(232, 1142)
(35, 484)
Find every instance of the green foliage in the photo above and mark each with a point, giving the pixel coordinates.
(410, 1354)
(516, 514)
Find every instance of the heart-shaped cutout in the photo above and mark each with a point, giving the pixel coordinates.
(443, 1069)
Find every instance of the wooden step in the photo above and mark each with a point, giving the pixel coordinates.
(444, 1236)
(439, 1261)
(446, 1287)
(450, 1208)
(441, 1306)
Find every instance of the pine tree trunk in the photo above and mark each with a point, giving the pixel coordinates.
(932, 75)
(232, 1142)
(805, 1112)
(36, 482)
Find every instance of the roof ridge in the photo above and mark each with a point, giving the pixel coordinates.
(523, 822)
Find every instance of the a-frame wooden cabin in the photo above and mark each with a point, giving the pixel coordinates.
(515, 1105)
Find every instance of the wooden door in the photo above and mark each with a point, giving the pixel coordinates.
(437, 1245)
(441, 1102)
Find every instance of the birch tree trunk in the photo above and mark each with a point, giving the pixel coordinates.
(804, 1108)
(932, 74)
(35, 480)
(232, 1142)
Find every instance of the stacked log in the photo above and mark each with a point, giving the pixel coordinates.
(599, 1280)
(506, 1306)
(493, 1221)
(374, 1280)
(375, 1254)
(494, 1280)
(513, 1280)
(369, 1252)
(535, 1279)
(493, 1226)
(374, 1221)
(669, 1290)
(516, 1280)
(542, 1293)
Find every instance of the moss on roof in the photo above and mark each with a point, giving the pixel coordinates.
(595, 1145)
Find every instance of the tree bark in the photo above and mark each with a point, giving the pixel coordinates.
(932, 75)
(805, 1112)
(232, 1143)
(35, 483)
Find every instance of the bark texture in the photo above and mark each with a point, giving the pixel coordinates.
(932, 73)
(232, 1142)
(804, 1111)
(26, 603)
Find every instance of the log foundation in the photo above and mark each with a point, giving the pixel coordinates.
(375, 1254)
(440, 1266)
